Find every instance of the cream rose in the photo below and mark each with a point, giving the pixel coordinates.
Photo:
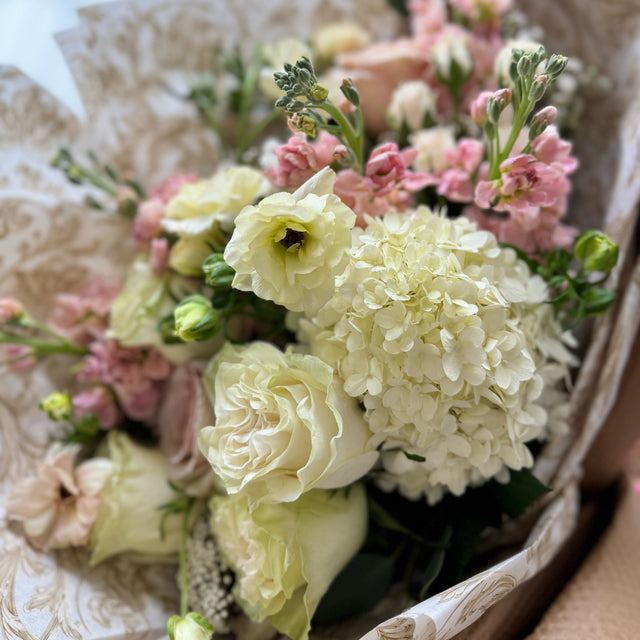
(285, 556)
(129, 518)
(283, 425)
(290, 247)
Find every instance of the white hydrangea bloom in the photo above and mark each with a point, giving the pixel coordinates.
(445, 339)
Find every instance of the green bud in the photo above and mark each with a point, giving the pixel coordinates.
(350, 92)
(218, 274)
(599, 300)
(524, 65)
(538, 88)
(196, 319)
(57, 405)
(596, 251)
(318, 93)
(556, 65)
(193, 626)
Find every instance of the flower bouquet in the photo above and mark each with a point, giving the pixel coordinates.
(301, 322)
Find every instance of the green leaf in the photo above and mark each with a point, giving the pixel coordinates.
(381, 517)
(357, 588)
(522, 490)
(400, 6)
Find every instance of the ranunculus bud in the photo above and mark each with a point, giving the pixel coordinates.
(57, 405)
(218, 274)
(193, 626)
(596, 251)
(196, 319)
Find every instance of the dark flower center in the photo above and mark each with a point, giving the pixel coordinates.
(64, 493)
(291, 238)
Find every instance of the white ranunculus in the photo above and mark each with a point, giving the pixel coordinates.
(286, 555)
(129, 519)
(290, 247)
(283, 425)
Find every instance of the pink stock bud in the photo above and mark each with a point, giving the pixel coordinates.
(479, 108)
(10, 309)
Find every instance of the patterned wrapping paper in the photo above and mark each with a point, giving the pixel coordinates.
(123, 56)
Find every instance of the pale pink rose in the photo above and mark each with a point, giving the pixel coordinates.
(377, 70)
(147, 224)
(185, 410)
(100, 402)
(58, 506)
(10, 309)
(170, 186)
(427, 17)
(159, 255)
(137, 375)
(298, 159)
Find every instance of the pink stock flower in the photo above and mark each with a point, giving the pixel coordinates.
(387, 183)
(549, 148)
(159, 255)
(185, 410)
(147, 224)
(100, 402)
(58, 506)
(170, 186)
(137, 375)
(10, 309)
(525, 187)
(83, 317)
(298, 159)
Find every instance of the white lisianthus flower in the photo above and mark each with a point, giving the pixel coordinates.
(432, 145)
(285, 556)
(275, 54)
(446, 339)
(283, 425)
(410, 104)
(128, 518)
(290, 247)
(202, 214)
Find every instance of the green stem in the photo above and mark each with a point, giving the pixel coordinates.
(247, 137)
(519, 119)
(353, 138)
(44, 347)
(184, 584)
(97, 181)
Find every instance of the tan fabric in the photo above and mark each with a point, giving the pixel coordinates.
(602, 601)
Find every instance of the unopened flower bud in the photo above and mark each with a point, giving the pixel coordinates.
(538, 88)
(57, 405)
(452, 62)
(497, 103)
(596, 251)
(350, 92)
(556, 65)
(479, 108)
(218, 274)
(196, 319)
(10, 309)
(541, 121)
(127, 200)
(192, 627)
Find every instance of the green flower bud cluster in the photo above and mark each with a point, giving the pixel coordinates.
(57, 405)
(299, 81)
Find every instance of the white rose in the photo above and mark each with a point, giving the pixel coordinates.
(129, 519)
(285, 556)
(283, 425)
(410, 104)
(290, 247)
(432, 146)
